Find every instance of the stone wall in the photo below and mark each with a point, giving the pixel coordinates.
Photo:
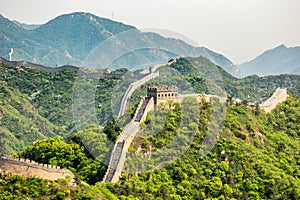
(279, 96)
(57, 69)
(118, 156)
(149, 107)
(31, 168)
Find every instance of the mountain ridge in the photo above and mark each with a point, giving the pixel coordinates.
(70, 38)
(279, 60)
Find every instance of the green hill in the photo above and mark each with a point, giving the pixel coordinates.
(36, 104)
(251, 88)
(48, 97)
(72, 38)
(21, 123)
(256, 157)
(203, 76)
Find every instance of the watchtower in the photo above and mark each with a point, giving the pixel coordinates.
(162, 93)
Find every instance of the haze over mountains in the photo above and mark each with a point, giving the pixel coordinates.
(280, 60)
(83, 39)
(70, 38)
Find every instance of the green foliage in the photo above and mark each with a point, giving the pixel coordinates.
(55, 151)
(18, 187)
(256, 157)
(71, 155)
(36, 104)
(20, 122)
(112, 129)
(204, 77)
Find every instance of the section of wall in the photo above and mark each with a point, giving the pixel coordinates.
(279, 96)
(31, 168)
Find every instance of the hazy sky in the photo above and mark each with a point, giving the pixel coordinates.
(238, 29)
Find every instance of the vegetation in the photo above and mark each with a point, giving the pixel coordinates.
(206, 77)
(200, 75)
(46, 98)
(73, 38)
(35, 104)
(78, 154)
(256, 155)
(18, 187)
(20, 122)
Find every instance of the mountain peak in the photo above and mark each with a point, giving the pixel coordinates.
(282, 46)
(279, 60)
(71, 38)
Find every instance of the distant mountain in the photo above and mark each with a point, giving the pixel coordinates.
(70, 39)
(280, 60)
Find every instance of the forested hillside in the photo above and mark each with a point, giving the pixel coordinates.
(256, 157)
(20, 122)
(200, 75)
(43, 100)
(36, 104)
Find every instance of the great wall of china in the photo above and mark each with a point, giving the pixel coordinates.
(279, 96)
(57, 69)
(30, 168)
(124, 140)
(156, 95)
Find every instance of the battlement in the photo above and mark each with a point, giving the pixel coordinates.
(28, 161)
(31, 168)
(162, 89)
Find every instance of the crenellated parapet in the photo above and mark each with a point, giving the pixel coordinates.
(28, 168)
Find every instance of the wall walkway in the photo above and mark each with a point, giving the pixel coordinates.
(118, 155)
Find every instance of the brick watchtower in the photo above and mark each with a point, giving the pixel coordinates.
(162, 93)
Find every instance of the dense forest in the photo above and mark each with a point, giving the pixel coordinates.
(255, 155)
(36, 104)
